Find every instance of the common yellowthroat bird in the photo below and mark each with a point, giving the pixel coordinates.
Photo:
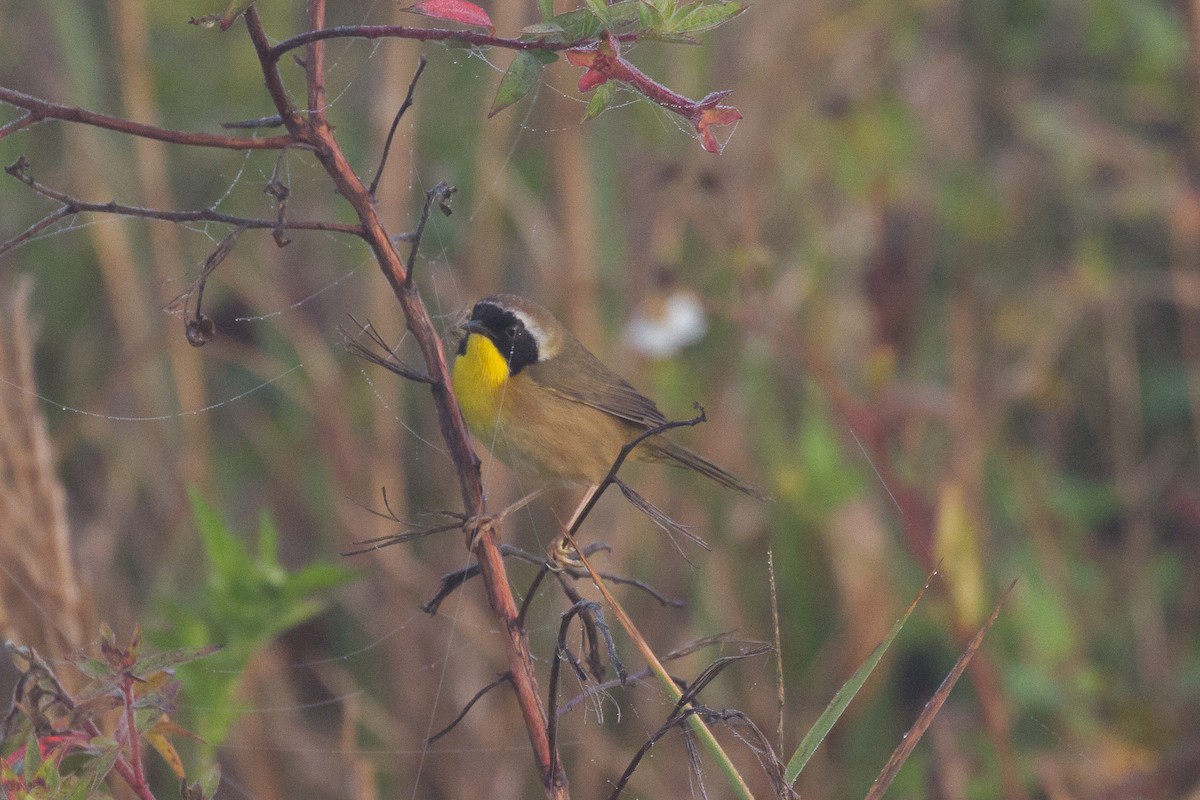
(550, 409)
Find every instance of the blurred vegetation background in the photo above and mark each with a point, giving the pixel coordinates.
(950, 261)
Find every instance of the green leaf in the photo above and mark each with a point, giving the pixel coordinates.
(599, 8)
(581, 24)
(546, 7)
(318, 578)
(518, 81)
(93, 668)
(543, 30)
(80, 790)
(588, 23)
(96, 770)
(933, 705)
(833, 711)
(171, 658)
(210, 779)
(225, 552)
(268, 540)
(600, 100)
(651, 19)
(705, 18)
(248, 598)
(672, 38)
(624, 16)
(33, 757)
(47, 773)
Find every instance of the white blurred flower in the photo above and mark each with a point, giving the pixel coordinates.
(663, 326)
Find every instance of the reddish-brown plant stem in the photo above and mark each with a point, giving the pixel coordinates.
(314, 64)
(121, 765)
(40, 109)
(316, 132)
(131, 732)
(428, 35)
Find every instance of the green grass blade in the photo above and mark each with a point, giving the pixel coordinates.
(933, 706)
(844, 695)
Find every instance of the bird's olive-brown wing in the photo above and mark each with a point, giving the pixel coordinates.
(576, 374)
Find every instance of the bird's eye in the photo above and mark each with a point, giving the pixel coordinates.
(513, 330)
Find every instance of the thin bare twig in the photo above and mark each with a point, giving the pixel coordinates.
(629, 447)
(198, 327)
(269, 64)
(593, 611)
(646, 672)
(390, 362)
(387, 145)
(18, 124)
(36, 228)
(40, 109)
(74, 205)
(661, 519)
(380, 542)
(684, 709)
(591, 634)
(272, 121)
(455, 579)
(440, 194)
(280, 191)
(775, 630)
(504, 678)
(531, 592)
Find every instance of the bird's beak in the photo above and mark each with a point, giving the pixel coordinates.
(475, 326)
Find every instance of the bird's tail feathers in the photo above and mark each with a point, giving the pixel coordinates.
(660, 448)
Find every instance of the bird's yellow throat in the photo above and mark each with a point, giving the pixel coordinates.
(479, 376)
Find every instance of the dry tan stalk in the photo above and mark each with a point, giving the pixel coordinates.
(41, 599)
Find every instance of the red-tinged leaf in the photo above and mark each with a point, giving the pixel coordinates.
(591, 79)
(518, 81)
(592, 61)
(717, 115)
(165, 726)
(603, 63)
(581, 58)
(713, 99)
(455, 11)
(165, 749)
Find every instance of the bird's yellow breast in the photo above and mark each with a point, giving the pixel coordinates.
(479, 376)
